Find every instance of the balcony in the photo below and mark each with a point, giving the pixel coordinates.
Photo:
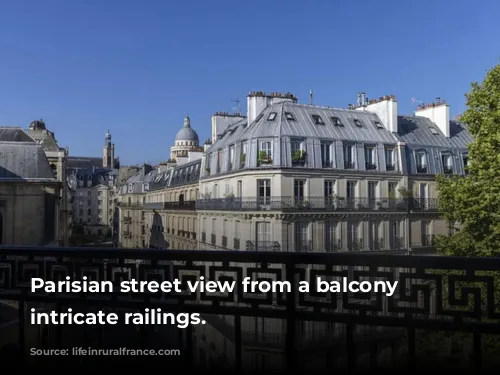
(318, 204)
(127, 220)
(390, 167)
(442, 303)
(263, 246)
(448, 170)
(349, 165)
(421, 169)
(185, 205)
(370, 166)
(327, 164)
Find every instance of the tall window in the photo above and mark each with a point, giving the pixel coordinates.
(395, 235)
(263, 234)
(296, 145)
(264, 193)
(349, 157)
(374, 238)
(299, 189)
(328, 192)
(350, 193)
(326, 159)
(301, 236)
(421, 162)
(353, 237)
(370, 158)
(231, 157)
(219, 160)
(372, 193)
(331, 238)
(390, 162)
(447, 163)
(465, 159)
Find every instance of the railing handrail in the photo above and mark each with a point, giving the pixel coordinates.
(345, 258)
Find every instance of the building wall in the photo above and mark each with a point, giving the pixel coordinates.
(25, 213)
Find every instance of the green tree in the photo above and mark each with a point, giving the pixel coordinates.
(473, 201)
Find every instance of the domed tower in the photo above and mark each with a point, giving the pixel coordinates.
(186, 140)
(37, 125)
(108, 153)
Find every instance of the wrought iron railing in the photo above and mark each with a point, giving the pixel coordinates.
(329, 204)
(184, 205)
(437, 294)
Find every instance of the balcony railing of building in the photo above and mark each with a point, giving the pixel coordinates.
(436, 294)
(184, 205)
(127, 220)
(341, 204)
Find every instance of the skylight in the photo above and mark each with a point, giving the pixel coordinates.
(433, 130)
(272, 116)
(317, 120)
(379, 125)
(336, 121)
(357, 122)
(289, 116)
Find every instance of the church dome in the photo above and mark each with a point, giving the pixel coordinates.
(37, 125)
(187, 133)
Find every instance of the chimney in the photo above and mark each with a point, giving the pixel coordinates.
(438, 112)
(310, 97)
(257, 101)
(358, 102)
(386, 108)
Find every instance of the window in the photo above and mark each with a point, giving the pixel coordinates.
(328, 189)
(231, 157)
(351, 193)
(272, 116)
(263, 234)
(395, 233)
(353, 240)
(390, 163)
(331, 242)
(379, 125)
(370, 158)
(296, 145)
(326, 150)
(289, 116)
(301, 236)
(357, 122)
(421, 162)
(348, 157)
(372, 193)
(317, 120)
(426, 234)
(374, 238)
(465, 159)
(264, 192)
(299, 189)
(336, 121)
(433, 130)
(266, 147)
(447, 163)
(219, 160)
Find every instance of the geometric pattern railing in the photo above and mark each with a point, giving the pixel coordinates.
(433, 292)
(319, 204)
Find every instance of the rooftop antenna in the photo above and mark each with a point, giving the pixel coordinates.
(310, 97)
(237, 108)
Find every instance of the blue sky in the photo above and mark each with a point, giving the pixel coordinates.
(137, 67)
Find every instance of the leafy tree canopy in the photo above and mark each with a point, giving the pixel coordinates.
(473, 201)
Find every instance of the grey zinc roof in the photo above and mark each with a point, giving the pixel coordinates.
(23, 160)
(13, 134)
(414, 130)
(304, 126)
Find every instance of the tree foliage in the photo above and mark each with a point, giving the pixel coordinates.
(473, 201)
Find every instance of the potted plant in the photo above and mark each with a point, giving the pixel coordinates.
(264, 158)
(299, 157)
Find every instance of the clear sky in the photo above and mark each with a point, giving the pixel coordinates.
(137, 67)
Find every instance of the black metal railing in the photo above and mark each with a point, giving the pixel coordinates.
(184, 205)
(334, 203)
(437, 294)
(263, 246)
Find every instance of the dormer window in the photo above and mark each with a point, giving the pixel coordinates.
(317, 120)
(336, 121)
(379, 125)
(289, 116)
(348, 156)
(358, 123)
(421, 162)
(433, 130)
(390, 161)
(465, 159)
(272, 116)
(447, 160)
(370, 158)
